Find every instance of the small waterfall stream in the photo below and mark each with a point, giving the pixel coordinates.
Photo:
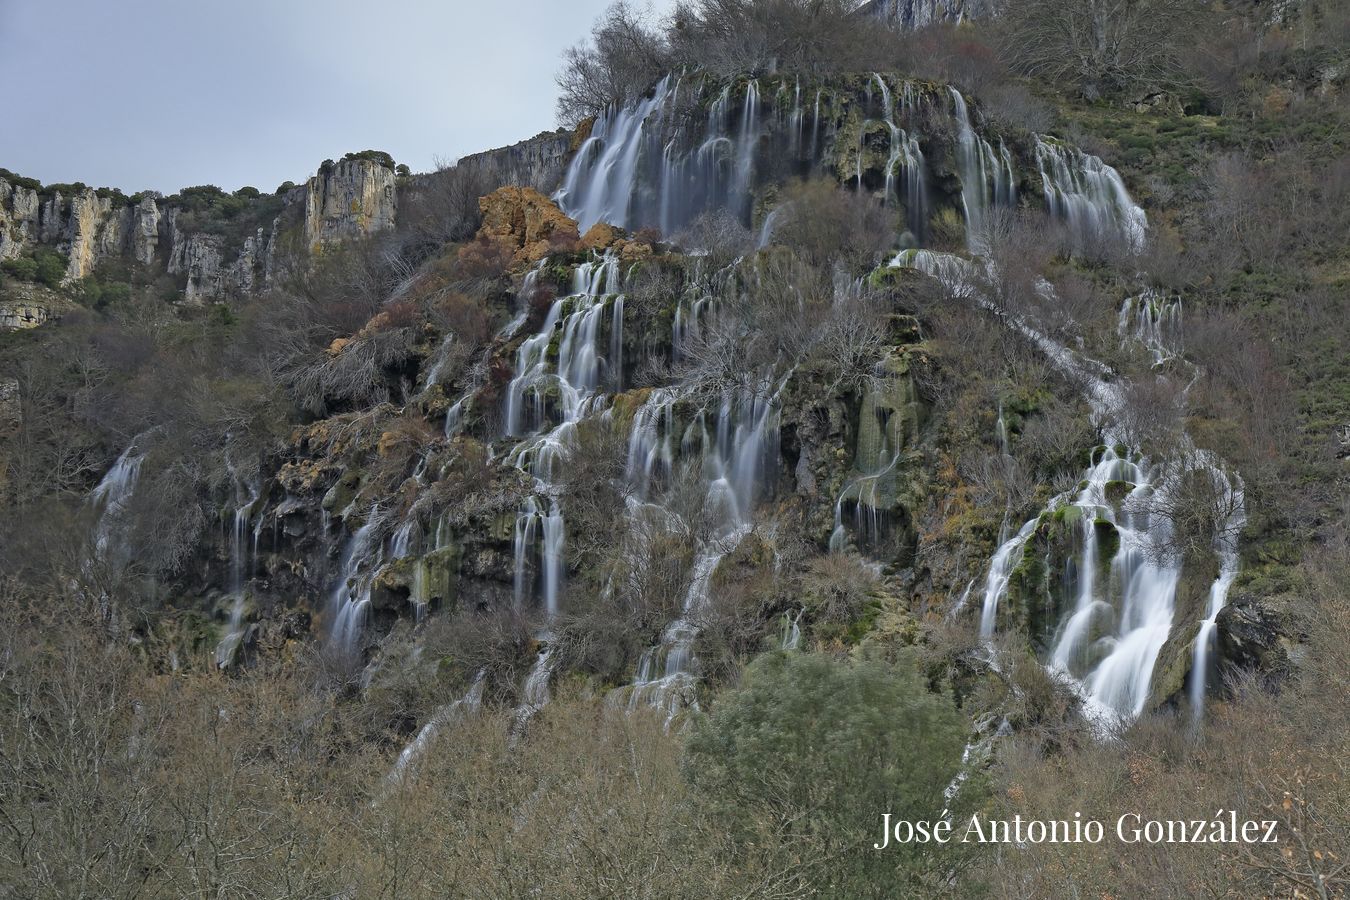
(559, 373)
(242, 553)
(987, 178)
(111, 496)
(1088, 194)
(557, 379)
(738, 458)
(646, 164)
(1110, 641)
(445, 716)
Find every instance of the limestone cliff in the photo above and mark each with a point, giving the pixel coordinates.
(217, 246)
(538, 162)
(350, 198)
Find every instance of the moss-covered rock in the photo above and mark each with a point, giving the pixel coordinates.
(340, 496)
(1117, 491)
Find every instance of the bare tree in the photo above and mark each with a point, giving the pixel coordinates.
(1102, 46)
(623, 58)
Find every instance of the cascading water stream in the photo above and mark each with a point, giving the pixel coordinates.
(737, 461)
(111, 496)
(1088, 194)
(350, 601)
(644, 165)
(557, 386)
(986, 177)
(1154, 322)
(906, 153)
(563, 388)
(1110, 642)
(792, 630)
(443, 717)
(880, 448)
(598, 186)
(246, 496)
(1232, 496)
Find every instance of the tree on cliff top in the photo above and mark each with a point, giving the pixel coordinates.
(627, 53)
(624, 56)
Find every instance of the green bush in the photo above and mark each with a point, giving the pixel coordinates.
(19, 181)
(51, 267)
(44, 266)
(378, 156)
(95, 293)
(24, 268)
(814, 750)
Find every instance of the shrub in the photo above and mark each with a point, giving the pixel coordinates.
(51, 267)
(1100, 47)
(815, 749)
(378, 156)
(24, 268)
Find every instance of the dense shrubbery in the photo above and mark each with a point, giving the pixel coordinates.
(813, 750)
(42, 265)
(377, 156)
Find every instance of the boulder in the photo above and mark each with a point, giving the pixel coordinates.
(1254, 635)
(526, 224)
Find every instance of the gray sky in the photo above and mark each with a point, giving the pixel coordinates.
(162, 94)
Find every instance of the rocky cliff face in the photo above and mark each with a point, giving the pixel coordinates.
(19, 207)
(353, 197)
(538, 163)
(344, 200)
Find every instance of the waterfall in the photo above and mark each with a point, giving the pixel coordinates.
(1234, 509)
(738, 461)
(349, 604)
(543, 388)
(523, 541)
(554, 536)
(446, 715)
(666, 673)
(1154, 322)
(792, 630)
(1109, 643)
(745, 149)
(534, 693)
(1116, 629)
(649, 443)
(767, 227)
(111, 496)
(906, 153)
(1005, 559)
(986, 177)
(1088, 194)
(442, 354)
(564, 389)
(246, 496)
(877, 457)
(645, 166)
(599, 183)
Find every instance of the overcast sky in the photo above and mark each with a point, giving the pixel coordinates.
(162, 94)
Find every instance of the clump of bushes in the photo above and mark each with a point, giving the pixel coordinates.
(43, 266)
